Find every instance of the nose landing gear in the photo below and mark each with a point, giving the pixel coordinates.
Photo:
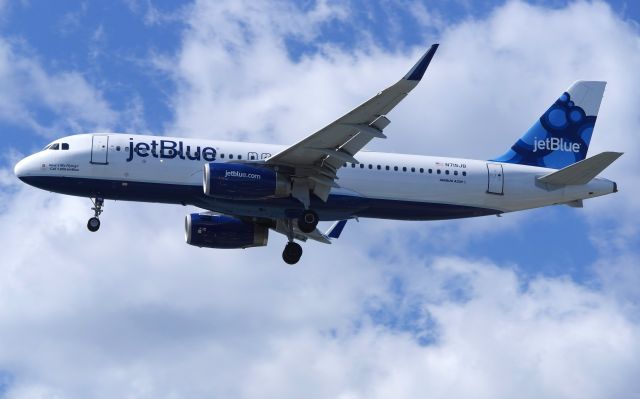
(94, 223)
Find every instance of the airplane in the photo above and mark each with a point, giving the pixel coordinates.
(249, 189)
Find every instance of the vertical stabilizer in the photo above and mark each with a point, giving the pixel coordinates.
(562, 134)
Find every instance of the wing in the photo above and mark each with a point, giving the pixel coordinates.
(317, 158)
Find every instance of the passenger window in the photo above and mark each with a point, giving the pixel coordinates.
(395, 168)
(230, 156)
(239, 156)
(54, 146)
(379, 167)
(421, 170)
(413, 169)
(370, 166)
(404, 168)
(387, 167)
(464, 173)
(446, 172)
(455, 173)
(353, 165)
(222, 156)
(438, 171)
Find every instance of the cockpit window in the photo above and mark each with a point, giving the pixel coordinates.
(54, 146)
(65, 146)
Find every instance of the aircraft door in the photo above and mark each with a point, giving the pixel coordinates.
(495, 184)
(99, 149)
(252, 156)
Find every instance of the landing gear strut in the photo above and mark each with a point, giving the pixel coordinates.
(292, 253)
(94, 223)
(308, 221)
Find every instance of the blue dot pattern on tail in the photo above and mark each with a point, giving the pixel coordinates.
(559, 138)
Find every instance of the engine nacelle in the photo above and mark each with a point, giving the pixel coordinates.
(240, 181)
(219, 231)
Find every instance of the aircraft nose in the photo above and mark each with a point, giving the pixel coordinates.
(21, 169)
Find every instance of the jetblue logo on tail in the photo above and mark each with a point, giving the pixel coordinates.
(555, 144)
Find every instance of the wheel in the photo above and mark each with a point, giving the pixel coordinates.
(93, 224)
(308, 221)
(292, 253)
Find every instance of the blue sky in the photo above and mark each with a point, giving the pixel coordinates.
(275, 72)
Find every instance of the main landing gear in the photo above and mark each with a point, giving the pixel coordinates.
(292, 253)
(94, 223)
(307, 223)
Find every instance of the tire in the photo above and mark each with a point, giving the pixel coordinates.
(292, 253)
(308, 221)
(93, 224)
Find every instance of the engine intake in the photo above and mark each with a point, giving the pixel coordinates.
(219, 231)
(240, 181)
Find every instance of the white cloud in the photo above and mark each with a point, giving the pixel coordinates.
(28, 88)
(133, 311)
(169, 320)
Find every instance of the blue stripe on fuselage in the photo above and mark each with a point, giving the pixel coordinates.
(337, 207)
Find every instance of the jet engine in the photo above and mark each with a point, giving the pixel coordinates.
(219, 231)
(240, 181)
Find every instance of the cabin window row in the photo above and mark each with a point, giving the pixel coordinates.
(407, 169)
(231, 156)
(222, 155)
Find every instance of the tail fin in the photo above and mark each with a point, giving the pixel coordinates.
(562, 134)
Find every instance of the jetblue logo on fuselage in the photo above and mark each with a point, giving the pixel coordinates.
(169, 149)
(555, 144)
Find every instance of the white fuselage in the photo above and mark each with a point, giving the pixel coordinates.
(118, 164)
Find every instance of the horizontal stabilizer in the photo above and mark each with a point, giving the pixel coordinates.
(581, 172)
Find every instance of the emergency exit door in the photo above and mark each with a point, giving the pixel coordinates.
(99, 149)
(496, 179)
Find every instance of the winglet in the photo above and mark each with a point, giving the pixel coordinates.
(417, 72)
(336, 229)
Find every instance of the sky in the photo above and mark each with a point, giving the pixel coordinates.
(542, 303)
